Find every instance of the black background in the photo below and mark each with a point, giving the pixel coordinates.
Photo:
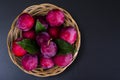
(99, 55)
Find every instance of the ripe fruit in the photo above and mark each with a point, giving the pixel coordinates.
(63, 60)
(55, 18)
(46, 63)
(49, 50)
(25, 22)
(29, 34)
(54, 32)
(42, 37)
(29, 62)
(43, 21)
(69, 34)
(17, 49)
(46, 42)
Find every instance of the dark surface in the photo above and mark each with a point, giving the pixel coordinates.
(99, 23)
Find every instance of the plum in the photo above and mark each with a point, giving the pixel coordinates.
(46, 63)
(54, 32)
(55, 17)
(63, 59)
(25, 22)
(49, 50)
(29, 34)
(42, 37)
(29, 62)
(17, 49)
(68, 34)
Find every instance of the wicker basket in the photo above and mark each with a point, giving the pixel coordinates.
(14, 33)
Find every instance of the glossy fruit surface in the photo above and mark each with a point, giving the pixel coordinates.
(46, 63)
(17, 49)
(29, 62)
(49, 50)
(25, 22)
(69, 34)
(63, 59)
(55, 18)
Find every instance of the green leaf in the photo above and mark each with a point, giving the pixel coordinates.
(39, 27)
(29, 45)
(64, 47)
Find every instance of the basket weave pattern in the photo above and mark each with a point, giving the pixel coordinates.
(15, 33)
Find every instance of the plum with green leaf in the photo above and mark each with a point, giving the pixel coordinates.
(29, 45)
(41, 25)
(17, 49)
(46, 42)
(43, 21)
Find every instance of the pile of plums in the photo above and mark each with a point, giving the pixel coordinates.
(52, 28)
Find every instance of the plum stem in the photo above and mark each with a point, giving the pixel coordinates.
(49, 41)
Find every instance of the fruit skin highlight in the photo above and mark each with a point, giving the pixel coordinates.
(17, 49)
(49, 50)
(25, 22)
(46, 63)
(69, 34)
(29, 34)
(42, 38)
(63, 60)
(55, 18)
(29, 62)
